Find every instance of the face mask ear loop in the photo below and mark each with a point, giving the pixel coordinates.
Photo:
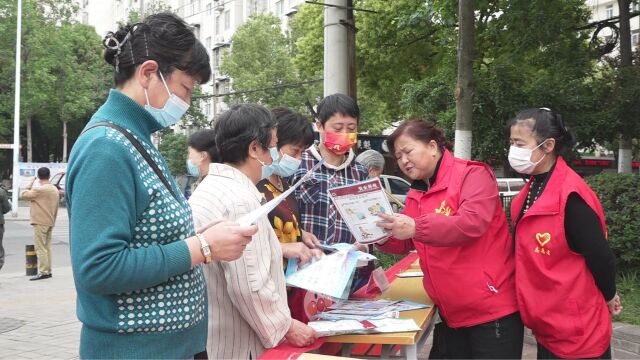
(164, 83)
(147, 97)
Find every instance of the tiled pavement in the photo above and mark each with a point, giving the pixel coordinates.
(37, 318)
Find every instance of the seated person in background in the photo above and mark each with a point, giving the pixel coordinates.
(248, 309)
(295, 134)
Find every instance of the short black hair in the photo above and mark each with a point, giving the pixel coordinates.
(236, 128)
(337, 104)
(293, 128)
(162, 37)
(44, 173)
(545, 124)
(205, 140)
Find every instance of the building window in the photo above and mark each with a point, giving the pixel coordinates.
(278, 8)
(209, 9)
(227, 20)
(216, 58)
(635, 39)
(207, 43)
(218, 24)
(609, 11)
(224, 87)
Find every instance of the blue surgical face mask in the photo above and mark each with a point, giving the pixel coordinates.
(267, 169)
(192, 168)
(286, 166)
(172, 111)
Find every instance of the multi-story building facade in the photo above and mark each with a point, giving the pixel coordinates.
(607, 9)
(214, 22)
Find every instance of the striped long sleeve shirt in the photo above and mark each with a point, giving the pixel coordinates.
(248, 309)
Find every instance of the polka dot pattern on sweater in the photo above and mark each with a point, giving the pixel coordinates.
(180, 302)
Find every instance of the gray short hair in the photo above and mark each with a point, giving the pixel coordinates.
(371, 158)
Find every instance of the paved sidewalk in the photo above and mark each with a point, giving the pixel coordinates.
(37, 318)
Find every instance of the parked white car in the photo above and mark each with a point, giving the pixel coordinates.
(510, 186)
(397, 187)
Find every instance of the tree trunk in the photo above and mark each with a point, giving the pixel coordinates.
(624, 151)
(29, 144)
(464, 88)
(64, 141)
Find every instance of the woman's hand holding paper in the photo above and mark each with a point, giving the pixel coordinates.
(399, 226)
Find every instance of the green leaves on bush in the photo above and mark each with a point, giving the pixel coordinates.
(620, 198)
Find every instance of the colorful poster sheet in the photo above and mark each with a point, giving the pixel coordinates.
(331, 275)
(359, 204)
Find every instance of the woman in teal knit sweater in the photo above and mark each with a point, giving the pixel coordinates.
(135, 253)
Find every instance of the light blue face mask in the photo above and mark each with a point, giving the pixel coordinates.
(192, 168)
(172, 111)
(286, 166)
(267, 170)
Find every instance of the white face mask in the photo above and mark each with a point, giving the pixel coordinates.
(520, 159)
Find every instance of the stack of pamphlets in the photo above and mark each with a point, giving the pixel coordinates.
(367, 310)
(329, 328)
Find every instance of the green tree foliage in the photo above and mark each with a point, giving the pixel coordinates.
(64, 78)
(620, 200)
(260, 58)
(528, 54)
(173, 147)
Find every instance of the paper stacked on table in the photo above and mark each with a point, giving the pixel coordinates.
(367, 309)
(331, 275)
(329, 328)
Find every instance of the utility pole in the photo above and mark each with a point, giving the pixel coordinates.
(464, 87)
(351, 31)
(16, 116)
(64, 141)
(336, 48)
(624, 149)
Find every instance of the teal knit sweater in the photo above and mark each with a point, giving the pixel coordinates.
(137, 294)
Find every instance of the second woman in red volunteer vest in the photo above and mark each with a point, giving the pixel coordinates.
(565, 270)
(454, 219)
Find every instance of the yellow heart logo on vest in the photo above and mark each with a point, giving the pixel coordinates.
(543, 238)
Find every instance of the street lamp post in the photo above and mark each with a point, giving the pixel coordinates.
(16, 115)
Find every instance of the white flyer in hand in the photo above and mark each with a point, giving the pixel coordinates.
(264, 210)
(359, 205)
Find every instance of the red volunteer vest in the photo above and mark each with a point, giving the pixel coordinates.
(557, 295)
(474, 283)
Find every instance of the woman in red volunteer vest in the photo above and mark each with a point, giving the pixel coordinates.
(565, 270)
(454, 219)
